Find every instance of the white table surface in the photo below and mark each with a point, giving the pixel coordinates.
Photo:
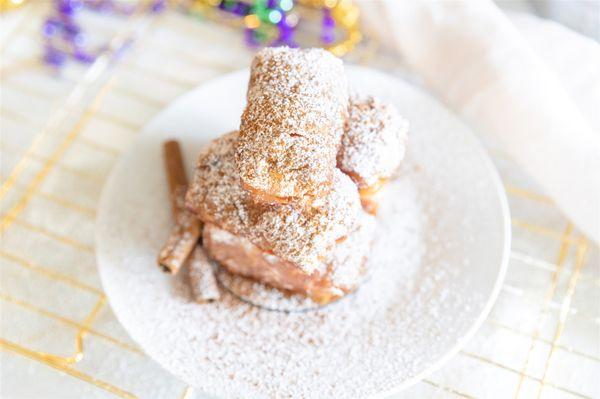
(60, 136)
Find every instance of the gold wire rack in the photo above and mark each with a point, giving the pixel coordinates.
(62, 133)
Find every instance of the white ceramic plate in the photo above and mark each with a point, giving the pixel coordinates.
(439, 259)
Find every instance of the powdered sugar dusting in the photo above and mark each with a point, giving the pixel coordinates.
(237, 350)
(261, 295)
(292, 124)
(302, 235)
(394, 328)
(348, 261)
(346, 268)
(373, 143)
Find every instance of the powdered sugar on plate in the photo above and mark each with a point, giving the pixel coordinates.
(355, 347)
(439, 252)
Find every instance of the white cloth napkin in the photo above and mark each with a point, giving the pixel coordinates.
(474, 58)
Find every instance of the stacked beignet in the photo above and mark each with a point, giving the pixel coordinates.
(373, 145)
(291, 127)
(280, 198)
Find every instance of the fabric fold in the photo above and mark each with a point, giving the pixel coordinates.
(472, 56)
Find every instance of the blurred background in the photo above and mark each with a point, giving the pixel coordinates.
(80, 78)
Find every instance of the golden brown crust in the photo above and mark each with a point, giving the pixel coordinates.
(239, 256)
(292, 125)
(343, 269)
(303, 235)
(369, 196)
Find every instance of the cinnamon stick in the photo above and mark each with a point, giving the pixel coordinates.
(202, 278)
(186, 231)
